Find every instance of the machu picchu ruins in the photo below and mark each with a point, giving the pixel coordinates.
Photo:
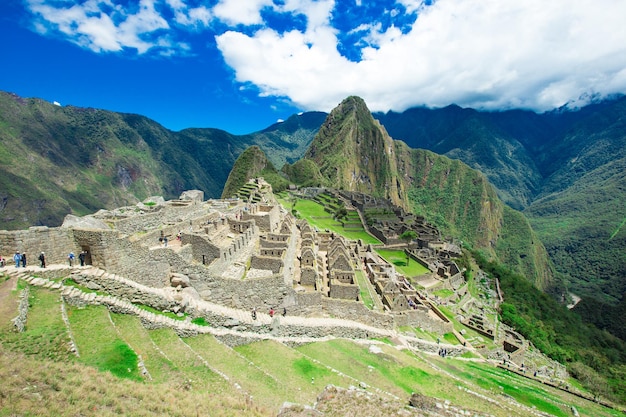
(221, 259)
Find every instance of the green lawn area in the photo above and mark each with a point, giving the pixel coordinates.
(45, 333)
(99, 344)
(365, 295)
(443, 293)
(399, 260)
(314, 213)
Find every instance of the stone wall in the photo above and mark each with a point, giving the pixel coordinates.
(343, 290)
(127, 290)
(203, 250)
(261, 293)
(308, 276)
(56, 242)
(356, 311)
(267, 263)
(421, 319)
(264, 243)
(19, 322)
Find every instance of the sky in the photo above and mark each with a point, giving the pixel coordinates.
(242, 65)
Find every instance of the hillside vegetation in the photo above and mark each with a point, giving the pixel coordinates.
(59, 160)
(354, 152)
(564, 168)
(200, 375)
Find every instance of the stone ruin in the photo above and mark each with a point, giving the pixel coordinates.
(242, 254)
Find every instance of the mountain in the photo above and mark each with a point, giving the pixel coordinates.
(252, 163)
(564, 169)
(354, 152)
(58, 160)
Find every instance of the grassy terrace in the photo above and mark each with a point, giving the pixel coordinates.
(187, 375)
(315, 214)
(398, 259)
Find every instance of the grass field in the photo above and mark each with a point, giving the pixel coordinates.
(202, 376)
(315, 214)
(399, 260)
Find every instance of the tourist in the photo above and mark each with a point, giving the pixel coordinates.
(165, 242)
(81, 258)
(253, 313)
(23, 258)
(284, 311)
(272, 312)
(70, 258)
(42, 259)
(1, 262)
(17, 258)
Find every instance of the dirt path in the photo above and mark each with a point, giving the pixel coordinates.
(8, 299)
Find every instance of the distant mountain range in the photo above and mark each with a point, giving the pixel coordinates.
(564, 169)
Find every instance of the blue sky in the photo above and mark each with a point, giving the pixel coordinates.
(241, 65)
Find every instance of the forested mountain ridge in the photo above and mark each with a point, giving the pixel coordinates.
(57, 160)
(565, 169)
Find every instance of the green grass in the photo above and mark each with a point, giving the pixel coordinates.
(451, 338)
(45, 334)
(102, 349)
(188, 366)
(130, 328)
(443, 293)
(266, 389)
(162, 313)
(200, 321)
(315, 214)
(292, 368)
(398, 259)
(364, 292)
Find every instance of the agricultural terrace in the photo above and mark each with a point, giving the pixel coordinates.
(399, 259)
(318, 216)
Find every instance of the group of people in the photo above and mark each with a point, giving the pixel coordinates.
(71, 258)
(271, 312)
(20, 259)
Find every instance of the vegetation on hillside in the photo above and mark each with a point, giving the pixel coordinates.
(595, 356)
(59, 160)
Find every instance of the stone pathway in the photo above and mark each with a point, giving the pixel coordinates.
(239, 318)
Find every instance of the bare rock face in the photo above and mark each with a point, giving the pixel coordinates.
(179, 280)
(193, 195)
(85, 222)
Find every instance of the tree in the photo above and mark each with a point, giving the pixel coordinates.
(408, 236)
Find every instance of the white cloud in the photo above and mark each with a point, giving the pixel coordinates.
(487, 54)
(481, 53)
(244, 12)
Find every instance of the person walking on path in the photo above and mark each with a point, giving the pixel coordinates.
(81, 258)
(272, 312)
(70, 258)
(254, 313)
(24, 260)
(42, 259)
(17, 258)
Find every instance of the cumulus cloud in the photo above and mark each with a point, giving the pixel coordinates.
(487, 54)
(481, 53)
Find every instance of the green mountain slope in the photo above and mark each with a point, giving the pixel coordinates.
(564, 168)
(354, 152)
(59, 160)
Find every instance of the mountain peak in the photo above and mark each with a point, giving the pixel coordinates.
(354, 152)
